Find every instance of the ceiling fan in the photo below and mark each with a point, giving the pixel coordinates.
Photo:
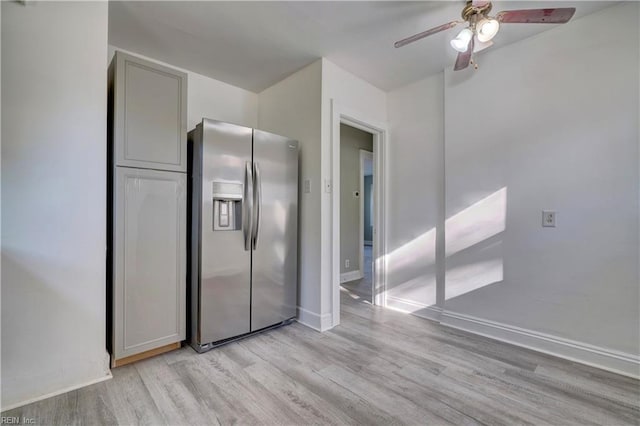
(482, 27)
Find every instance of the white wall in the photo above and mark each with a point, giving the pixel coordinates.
(352, 140)
(549, 123)
(353, 94)
(300, 107)
(210, 98)
(292, 108)
(54, 102)
(415, 232)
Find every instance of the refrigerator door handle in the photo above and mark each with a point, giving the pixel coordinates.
(247, 208)
(257, 193)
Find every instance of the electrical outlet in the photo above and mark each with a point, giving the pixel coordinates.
(347, 263)
(549, 218)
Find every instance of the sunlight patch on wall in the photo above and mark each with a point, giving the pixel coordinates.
(467, 229)
(466, 278)
(406, 267)
(405, 255)
(470, 270)
(476, 223)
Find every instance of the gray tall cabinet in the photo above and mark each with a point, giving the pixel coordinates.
(147, 186)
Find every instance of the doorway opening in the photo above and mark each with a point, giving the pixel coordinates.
(356, 213)
(374, 254)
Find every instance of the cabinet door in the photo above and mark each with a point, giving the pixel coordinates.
(150, 126)
(149, 253)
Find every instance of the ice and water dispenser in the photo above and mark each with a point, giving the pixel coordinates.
(227, 206)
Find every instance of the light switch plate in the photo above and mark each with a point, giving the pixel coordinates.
(327, 186)
(307, 186)
(549, 218)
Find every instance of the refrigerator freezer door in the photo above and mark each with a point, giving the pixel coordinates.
(225, 264)
(275, 275)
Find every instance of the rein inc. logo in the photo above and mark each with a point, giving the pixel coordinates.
(16, 420)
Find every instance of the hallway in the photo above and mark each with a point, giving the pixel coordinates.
(364, 286)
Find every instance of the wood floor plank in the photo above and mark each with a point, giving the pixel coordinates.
(245, 400)
(602, 408)
(130, 398)
(279, 345)
(383, 397)
(361, 411)
(379, 367)
(355, 407)
(171, 393)
(591, 386)
(93, 407)
(297, 397)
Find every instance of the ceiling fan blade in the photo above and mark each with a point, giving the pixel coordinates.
(464, 57)
(424, 34)
(536, 16)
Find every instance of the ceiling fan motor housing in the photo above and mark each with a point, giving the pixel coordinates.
(471, 11)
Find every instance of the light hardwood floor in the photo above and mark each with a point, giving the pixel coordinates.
(378, 367)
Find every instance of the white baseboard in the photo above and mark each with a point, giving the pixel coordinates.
(606, 359)
(350, 276)
(58, 392)
(430, 312)
(313, 320)
(326, 322)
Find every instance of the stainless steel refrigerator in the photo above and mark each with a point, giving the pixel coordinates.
(243, 227)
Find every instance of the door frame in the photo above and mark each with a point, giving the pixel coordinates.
(343, 115)
(364, 155)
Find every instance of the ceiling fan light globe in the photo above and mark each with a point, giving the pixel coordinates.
(459, 45)
(461, 42)
(487, 29)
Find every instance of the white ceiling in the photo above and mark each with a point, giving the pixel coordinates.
(256, 44)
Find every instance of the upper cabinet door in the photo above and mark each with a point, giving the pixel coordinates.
(150, 117)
